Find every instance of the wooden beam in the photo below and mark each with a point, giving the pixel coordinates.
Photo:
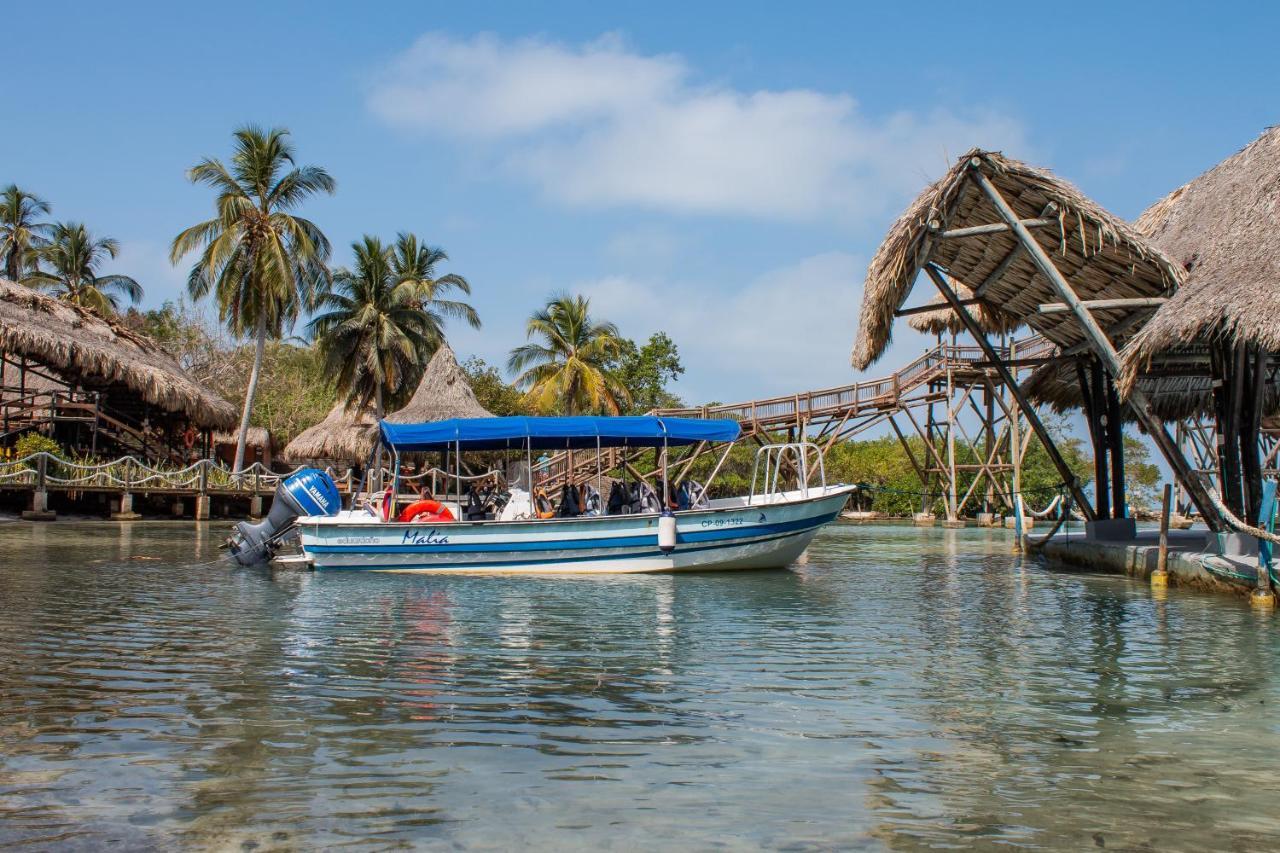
(925, 309)
(1104, 349)
(993, 228)
(1103, 304)
(1006, 377)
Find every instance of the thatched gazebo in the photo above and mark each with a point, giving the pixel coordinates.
(134, 393)
(1222, 328)
(444, 393)
(348, 437)
(1033, 250)
(345, 437)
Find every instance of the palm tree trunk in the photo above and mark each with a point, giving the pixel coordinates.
(259, 346)
(377, 454)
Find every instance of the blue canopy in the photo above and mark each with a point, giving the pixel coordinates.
(556, 433)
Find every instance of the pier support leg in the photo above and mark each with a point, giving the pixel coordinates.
(255, 506)
(39, 508)
(202, 508)
(125, 513)
(179, 508)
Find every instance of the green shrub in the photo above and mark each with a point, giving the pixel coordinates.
(34, 442)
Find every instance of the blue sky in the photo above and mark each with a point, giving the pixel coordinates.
(720, 171)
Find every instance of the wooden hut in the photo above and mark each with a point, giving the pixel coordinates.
(1222, 328)
(1032, 247)
(94, 384)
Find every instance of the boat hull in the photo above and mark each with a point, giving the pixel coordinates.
(750, 536)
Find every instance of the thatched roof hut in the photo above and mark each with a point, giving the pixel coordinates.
(1101, 256)
(344, 436)
(1221, 229)
(348, 436)
(444, 393)
(260, 446)
(944, 320)
(99, 354)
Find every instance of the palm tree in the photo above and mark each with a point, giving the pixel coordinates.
(415, 261)
(263, 264)
(374, 332)
(72, 256)
(20, 233)
(567, 370)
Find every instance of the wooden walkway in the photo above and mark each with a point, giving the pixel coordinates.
(957, 378)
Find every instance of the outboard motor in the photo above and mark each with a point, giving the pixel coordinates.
(308, 492)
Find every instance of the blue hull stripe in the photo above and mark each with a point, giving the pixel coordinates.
(743, 532)
(631, 555)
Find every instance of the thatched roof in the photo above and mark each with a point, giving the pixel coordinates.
(943, 319)
(257, 437)
(95, 353)
(1100, 255)
(343, 436)
(349, 436)
(1220, 228)
(444, 393)
(1173, 397)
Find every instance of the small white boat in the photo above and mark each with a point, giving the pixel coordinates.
(769, 528)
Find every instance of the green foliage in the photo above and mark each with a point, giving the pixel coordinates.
(295, 390)
(263, 264)
(72, 256)
(34, 442)
(566, 371)
(373, 333)
(647, 370)
(494, 393)
(21, 234)
(1142, 476)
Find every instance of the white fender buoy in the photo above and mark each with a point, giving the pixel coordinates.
(667, 532)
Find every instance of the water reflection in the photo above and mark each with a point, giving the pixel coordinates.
(902, 688)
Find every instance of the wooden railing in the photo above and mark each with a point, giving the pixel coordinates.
(869, 395)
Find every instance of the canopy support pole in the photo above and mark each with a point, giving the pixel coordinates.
(1103, 348)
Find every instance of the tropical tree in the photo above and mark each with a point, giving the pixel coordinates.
(70, 260)
(375, 331)
(262, 263)
(566, 369)
(20, 233)
(415, 261)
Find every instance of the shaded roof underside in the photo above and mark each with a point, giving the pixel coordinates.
(1100, 255)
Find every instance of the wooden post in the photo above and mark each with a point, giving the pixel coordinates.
(1102, 347)
(1160, 577)
(1090, 394)
(1115, 436)
(1006, 377)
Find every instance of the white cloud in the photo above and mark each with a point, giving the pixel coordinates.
(599, 124)
(785, 331)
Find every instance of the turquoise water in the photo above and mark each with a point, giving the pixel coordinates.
(901, 689)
